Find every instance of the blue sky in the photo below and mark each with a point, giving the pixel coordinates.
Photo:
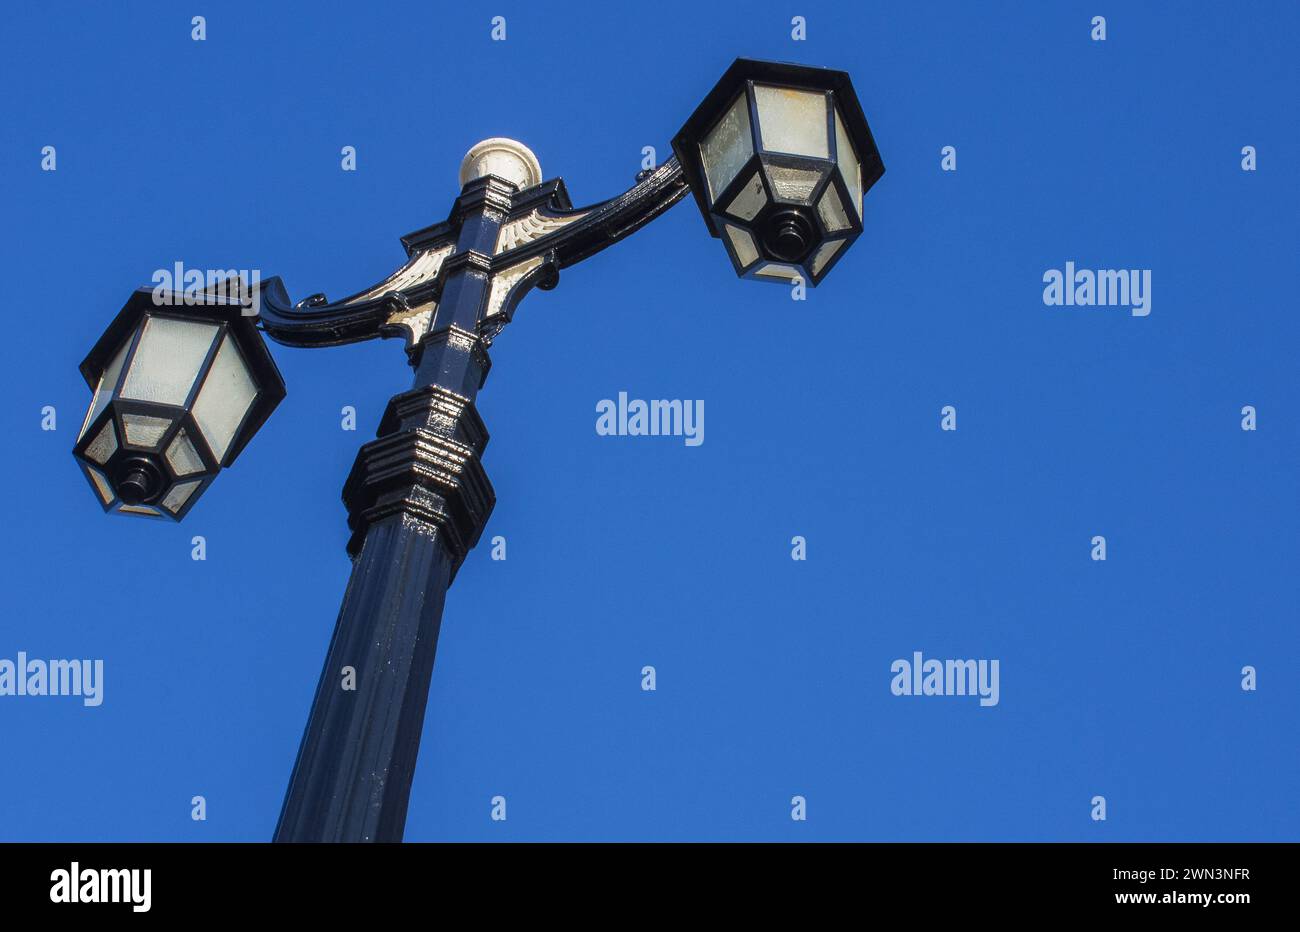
(1118, 678)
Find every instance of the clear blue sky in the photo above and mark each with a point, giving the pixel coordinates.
(1119, 678)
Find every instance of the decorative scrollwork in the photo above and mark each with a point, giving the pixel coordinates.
(531, 227)
(540, 235)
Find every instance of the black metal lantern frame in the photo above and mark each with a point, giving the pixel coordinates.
(783, 215)
(153, 458)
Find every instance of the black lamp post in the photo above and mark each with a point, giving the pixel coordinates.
(778, 157)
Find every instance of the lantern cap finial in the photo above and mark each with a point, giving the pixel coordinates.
(507, 159)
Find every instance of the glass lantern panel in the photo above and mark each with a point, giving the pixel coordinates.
(831, 209)
(180, 494)
(140, 510)
(105, 445)
(143, 430)
(168, 360)
(727, 147)
(102, 488)
(743, 244)
(775, 270)
(792, 121)
(848, 162)
(182, 457)
(793, 184)
(107, 382)
(824, 254)
(749, 201)
(224, 399)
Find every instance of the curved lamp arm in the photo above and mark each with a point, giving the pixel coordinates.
(539, 233)
(589, 230)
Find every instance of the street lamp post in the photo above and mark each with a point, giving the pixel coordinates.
(778, 158)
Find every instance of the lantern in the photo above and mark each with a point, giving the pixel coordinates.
(179, 390)
(779, 157)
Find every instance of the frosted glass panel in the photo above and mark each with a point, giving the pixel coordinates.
(749, 201)
(105, 445)
(831, 209)
(743, 243)
(773, 270)
(224, 399)
(140, 510)
(727, 147)
(793, 184)
(104, 392)
(792, 121)
(169, 357)
(101, 485)
(144, 431)
(848, 162)
(179, 495)
(824, 255)
(182, 456)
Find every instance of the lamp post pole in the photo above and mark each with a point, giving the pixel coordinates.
(418, 497)
(417, 500)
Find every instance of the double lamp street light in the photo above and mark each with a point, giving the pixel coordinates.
(778, 157)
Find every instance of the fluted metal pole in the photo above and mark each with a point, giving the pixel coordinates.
(417, 500)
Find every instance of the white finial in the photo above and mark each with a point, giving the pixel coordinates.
(505, 158)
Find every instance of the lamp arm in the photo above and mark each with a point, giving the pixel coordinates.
(540, 235)
(545, 235)
(601, 225)
(315, 321)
